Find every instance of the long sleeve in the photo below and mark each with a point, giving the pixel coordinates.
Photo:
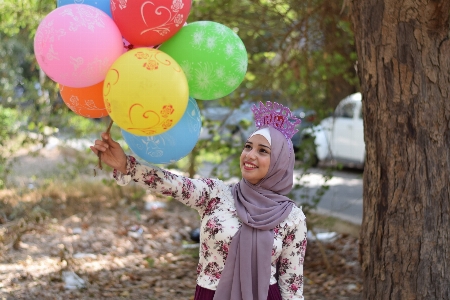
(195, 193)
(291, 262)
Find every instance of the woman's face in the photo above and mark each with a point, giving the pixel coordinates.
(255, 159)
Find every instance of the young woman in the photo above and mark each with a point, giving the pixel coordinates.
(253, 237)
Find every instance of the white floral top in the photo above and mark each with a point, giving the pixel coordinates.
(214, 201)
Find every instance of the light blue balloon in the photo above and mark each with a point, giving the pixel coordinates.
(103, 5)
(171, 145)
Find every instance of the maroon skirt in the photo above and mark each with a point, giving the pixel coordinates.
(205, 294)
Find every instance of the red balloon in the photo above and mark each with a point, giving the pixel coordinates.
(148, 23)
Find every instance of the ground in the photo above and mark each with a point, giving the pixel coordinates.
(126, 244)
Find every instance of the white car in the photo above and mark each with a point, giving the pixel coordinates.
(341, 137)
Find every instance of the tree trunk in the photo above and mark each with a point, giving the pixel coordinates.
(404, 66)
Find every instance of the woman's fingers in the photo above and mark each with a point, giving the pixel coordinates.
(110, 152)
(105, 136)
(100, 146)
(94, 150)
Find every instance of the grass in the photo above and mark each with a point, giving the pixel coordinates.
(322, 223)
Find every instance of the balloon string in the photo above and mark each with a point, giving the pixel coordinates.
(99, 153)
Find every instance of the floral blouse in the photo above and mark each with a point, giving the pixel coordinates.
(214, 201)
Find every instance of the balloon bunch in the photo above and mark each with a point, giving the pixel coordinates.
(142, 65)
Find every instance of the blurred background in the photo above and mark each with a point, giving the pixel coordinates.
(300, 54)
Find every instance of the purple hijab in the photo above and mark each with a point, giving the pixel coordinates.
(261, 208)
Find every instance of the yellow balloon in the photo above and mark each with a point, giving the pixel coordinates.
(145, 92)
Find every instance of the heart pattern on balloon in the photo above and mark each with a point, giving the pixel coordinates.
(173, 16)
(151, 119)
(137, 112)
(146, 23)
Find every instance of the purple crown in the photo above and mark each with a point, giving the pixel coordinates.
(277, 116)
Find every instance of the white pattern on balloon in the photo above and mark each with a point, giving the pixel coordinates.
(199, 37)
(177, 5)
(123, 4)
(164, 28)
(204, 71)
(229, 49)
(231, 82)
(74, 104)
(211, 43)
(204, 75)
(76, 62)
(153, 145)
(87, 18)
(220, 72)
(220, 29)
(241, 64)
(97, 64)
(187, 67)
(219, 93)
(51, 54)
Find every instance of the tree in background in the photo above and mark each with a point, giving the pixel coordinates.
(404, 67)
(301, 53)
(302, 50)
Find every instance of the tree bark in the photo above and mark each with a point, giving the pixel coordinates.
(404, 67)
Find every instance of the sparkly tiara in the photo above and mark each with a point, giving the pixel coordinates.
(276, 115)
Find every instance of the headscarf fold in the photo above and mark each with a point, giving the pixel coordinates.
(260, 207)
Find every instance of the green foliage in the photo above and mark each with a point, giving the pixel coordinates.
(10, 139)
(295, 47)
(18, 15)
(301, 51)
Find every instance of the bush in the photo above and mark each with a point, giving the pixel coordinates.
(9, 140)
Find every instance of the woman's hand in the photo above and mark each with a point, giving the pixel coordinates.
(112, 153)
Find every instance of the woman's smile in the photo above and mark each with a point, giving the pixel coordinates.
(249, 166)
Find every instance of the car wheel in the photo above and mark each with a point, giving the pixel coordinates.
(306, 152)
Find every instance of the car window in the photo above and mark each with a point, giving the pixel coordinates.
(346, 110)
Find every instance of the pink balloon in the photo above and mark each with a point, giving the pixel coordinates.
(76, 44)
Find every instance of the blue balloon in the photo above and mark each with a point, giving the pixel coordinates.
(171, 145)
(103, 5)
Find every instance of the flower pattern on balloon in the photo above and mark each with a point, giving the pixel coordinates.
(177, 5)
(151, 65)
(51, 54)
(84, 17)
(141, 55)
(166, 124)
(108, 106)
(167, 110)
(122, 4)
(178, 20)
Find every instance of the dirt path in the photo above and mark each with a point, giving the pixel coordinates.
(120, 247)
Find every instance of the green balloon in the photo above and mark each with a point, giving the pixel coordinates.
(211, 55)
